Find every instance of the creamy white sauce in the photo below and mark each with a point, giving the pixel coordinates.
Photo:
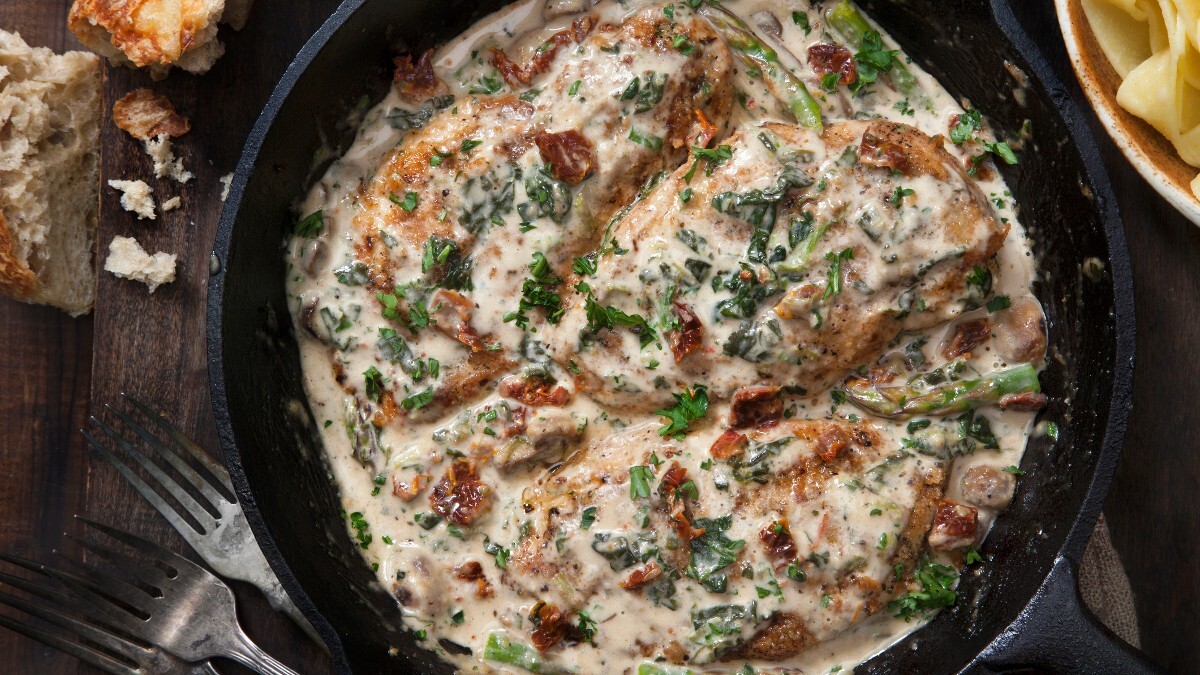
(400, 549)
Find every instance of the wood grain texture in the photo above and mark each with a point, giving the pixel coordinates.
(153, 347)
(45, 357)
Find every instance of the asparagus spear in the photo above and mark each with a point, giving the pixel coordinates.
(906, 400)
(649, 668)
(782, 82)
(499, 648)
(853, 26)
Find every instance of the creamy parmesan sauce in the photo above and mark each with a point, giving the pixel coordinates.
(338, 319)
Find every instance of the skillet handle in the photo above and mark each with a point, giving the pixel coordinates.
(1057, 633)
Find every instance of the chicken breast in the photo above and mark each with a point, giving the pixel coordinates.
(783, 257)
(490, 196)
(800, 526)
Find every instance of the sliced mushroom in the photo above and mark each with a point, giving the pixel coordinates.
(1020, 332)
(557, 8)
(550, 434)
(988, 487)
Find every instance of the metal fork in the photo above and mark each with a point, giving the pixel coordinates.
(161, 598)
(223, 537)
(99, 643)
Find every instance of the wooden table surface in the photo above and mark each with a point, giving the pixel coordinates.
(58, 370)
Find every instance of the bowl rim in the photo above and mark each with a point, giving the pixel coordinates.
(1113, 118)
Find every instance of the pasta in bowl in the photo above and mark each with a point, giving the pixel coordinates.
(1139, 65)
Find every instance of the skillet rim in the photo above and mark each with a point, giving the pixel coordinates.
(1104, 205)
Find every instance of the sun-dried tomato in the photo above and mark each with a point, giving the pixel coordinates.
(409, 491)
(543, 56)
(551, 626)
(452, 312)
(388, 410)
(534, 391)
(826, 58)
(967, 336)
(832, 441)
(460, 497)
(778, 540)
(875, 151)
(954, 525)
(688, 337)
(1026, 400)
(728, 444)
(683, 526)
(672, 478)
(571, 156)
(415, 80)
(515, 424)
(642, 576)
(755, 406)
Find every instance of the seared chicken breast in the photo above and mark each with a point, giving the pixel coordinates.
(784, 257)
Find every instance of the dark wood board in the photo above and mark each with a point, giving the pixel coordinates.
(153, 347)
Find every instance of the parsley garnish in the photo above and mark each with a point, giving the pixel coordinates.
(408, 203)
(899, 194)
(535, 292)
(500, 553)
(374, 383)
(689, 406)
(834, 285)
(587, 627)
(360, 527)
(418, 400)
(968, 123)
(585, 266)
(935, 592)
(469, 144)
(599, 316)
(310, 226)
(640, 478)
(574, 88)
(649, 140)
(1003, 151)
(801, 19)
(998, 303)
(683, 44)
(872, 60)
(588, 517)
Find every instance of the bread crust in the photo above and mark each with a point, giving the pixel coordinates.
(147, 32)
(146, 115)
(16, 279)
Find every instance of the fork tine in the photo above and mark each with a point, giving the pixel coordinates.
(216, 468)
(106, 599)
(77, 650)
(58, 617)
(203, 485)
(185, 528)
(126, 565)
(194, 509)
(181, 564)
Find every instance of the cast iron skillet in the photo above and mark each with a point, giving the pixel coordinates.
(1020, 609)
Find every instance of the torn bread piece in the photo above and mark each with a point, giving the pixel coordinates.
(171, 204)
(166, 164)
(156, 34)
(146, 115)
(226, 181)
(136, 197)
(128, 260)
(50, 112)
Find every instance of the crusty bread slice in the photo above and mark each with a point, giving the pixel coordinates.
(49, 174)
(156, 34)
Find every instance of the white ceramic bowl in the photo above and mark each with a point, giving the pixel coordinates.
(1150, 153)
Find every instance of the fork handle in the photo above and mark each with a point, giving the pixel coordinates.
(245, 652)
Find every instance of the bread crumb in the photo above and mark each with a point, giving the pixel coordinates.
(226, 181)
(128, 260)
(171, 204)
(166, 164)
(145, 114)
(135, 197)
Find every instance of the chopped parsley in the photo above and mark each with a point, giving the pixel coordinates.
(683, 44)
(899, 194)
(470, 144)
(689, 406)
(801, 19)
(574, 88)
(418, 400)
(1002, 150)
(500, 554)
(872, 59)
(599, 316)
(588, 517)
(535, 292)
(310, 226)
(640, 478)
(649, 140)
(360, 529)
(998, 303)
(834, 285)
(936, 581)
(374, 383)
(968, 123)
